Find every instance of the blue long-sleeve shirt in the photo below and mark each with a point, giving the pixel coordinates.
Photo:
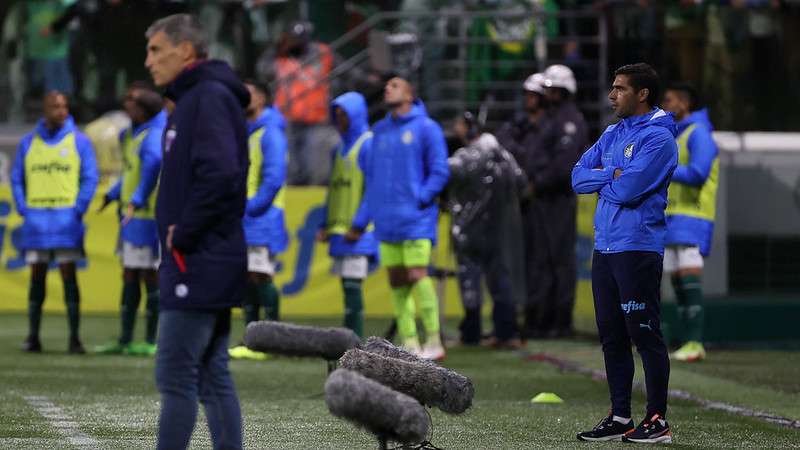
(47, 228)
(407, 168)
(143, 231)
(355, 106)
(630, 210)
(264, 222)
(703, 152)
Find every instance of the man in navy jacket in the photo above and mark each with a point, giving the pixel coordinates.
(630, 167)
(201, 201)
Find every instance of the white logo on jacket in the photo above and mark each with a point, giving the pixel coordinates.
(181, 290)
(408, 137)
(629, 150)
(169, 138)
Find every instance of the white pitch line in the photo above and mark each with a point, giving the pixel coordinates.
(61, 422)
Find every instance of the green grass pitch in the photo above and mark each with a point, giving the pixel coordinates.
(112, 400)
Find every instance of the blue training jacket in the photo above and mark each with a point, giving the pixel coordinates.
(355, 106)
(630, 209)
(143, 232)
(702, 153)
(405, 171)
(203, 190)
(52, 228)
(265, 223)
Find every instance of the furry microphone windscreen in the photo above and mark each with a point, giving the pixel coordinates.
(381, 346)
(429, 384)
(386, 413)
(299, 340)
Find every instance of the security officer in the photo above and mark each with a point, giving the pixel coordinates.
(553, 209)
(53, 179)
(690, 213)
(525, 137)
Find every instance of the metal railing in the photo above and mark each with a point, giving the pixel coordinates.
(445, 41)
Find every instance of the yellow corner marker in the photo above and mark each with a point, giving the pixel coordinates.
(546, 397)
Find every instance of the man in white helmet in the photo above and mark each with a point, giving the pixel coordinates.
(552, 278)
(525, 137)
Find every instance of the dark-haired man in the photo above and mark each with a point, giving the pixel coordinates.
(201, 201)
(136, 193)
(630, 167)
(690, 213)
(405, 171)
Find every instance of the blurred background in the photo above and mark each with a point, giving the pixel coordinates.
(463, 55)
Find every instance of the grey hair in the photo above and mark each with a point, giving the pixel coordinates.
(182, 28)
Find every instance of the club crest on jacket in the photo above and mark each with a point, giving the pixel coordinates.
(629, 150)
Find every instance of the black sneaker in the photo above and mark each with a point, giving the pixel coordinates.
(32, 345)
(75, 347)
(607, 430)
(654, 430)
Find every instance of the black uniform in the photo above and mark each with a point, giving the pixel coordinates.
(548, 150)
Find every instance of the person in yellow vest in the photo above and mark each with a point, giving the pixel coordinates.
(351, 241)
(53, 179)
(136, 193)
(264, 222)
(690, 213)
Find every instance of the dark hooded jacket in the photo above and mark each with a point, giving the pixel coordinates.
(203, 189)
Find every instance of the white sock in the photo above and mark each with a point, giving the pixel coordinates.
(622, 420)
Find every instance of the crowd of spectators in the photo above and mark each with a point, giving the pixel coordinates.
(731, 49)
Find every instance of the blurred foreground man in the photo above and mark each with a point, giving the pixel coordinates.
(630, 168)
(53, 179)
(201, 201)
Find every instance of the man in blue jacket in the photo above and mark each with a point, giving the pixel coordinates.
(690, 213)
(201, 201)
(346, 229)
(53, 179)
(406, 170)
(629, 168)
(136, 193)
(264, 222)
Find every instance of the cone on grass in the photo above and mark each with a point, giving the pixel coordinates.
(546, 397)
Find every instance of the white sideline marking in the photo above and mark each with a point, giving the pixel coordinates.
(61, 422)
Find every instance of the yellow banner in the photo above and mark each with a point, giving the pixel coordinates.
(307, 287)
